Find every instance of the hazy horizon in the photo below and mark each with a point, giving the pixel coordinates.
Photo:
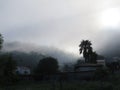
(62, 23)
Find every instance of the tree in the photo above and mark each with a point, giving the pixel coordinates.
(1, 41)
(86, 48)
(80, 61)
(101, 73)
(7, 68)
(68, 67)
(113, 66)
(47, 66)
(10, 66)
(88, 54)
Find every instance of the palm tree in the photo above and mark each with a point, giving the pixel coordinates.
(86, 49)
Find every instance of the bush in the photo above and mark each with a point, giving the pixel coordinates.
(101, 74)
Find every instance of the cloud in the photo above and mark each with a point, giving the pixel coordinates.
(62, 56)
(111, 47)
(58, 23)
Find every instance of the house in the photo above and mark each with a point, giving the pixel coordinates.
(87, 67)
(82, 71)
(22, 70)
(101, 62)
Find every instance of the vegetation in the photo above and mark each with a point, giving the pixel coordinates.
(1, 41)
(88, 54)
(27, 59)
(47, 65)
(113, 66)
(104, 79)
(111, 84)
(7, 68)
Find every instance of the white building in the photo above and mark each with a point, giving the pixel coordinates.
(101, 62)
(21, 70)
(87, 67)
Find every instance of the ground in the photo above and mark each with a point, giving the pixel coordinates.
(112, 83)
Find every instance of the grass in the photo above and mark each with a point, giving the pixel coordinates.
(113, 83)
(57, 86)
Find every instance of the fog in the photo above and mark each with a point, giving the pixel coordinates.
(43, 51)
(62, 24)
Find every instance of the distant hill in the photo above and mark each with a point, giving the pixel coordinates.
(26, 59)
(29, 55)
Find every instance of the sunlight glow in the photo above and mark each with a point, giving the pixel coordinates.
(110, 18)
(72, 50)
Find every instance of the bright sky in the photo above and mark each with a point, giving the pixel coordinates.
(60, 23)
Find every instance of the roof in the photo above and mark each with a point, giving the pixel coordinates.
(89, 65)
(23, 67)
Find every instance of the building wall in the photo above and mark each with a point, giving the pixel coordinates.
(102, 62)
(23, 71)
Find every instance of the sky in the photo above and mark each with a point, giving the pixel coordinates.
(60, 23)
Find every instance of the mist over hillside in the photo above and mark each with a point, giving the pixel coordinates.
(25, 59)
(109, 47)
(112, 49)
(110, 44)
(32, 54)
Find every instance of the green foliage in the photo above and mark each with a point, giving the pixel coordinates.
(101, 74)
(47, 65)
(65, 86)
(113, 66)
(7, 68)
(80, 62)
(27, 59)
(1, 41)
(88, 54)
(68, 67)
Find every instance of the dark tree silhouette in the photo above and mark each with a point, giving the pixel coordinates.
(1, 41)
(7, 69)
(47, 66)
(113, 66)
(10, 66)
(88, 54)
(86, 49)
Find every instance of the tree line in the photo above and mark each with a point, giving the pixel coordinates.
(46, 65)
